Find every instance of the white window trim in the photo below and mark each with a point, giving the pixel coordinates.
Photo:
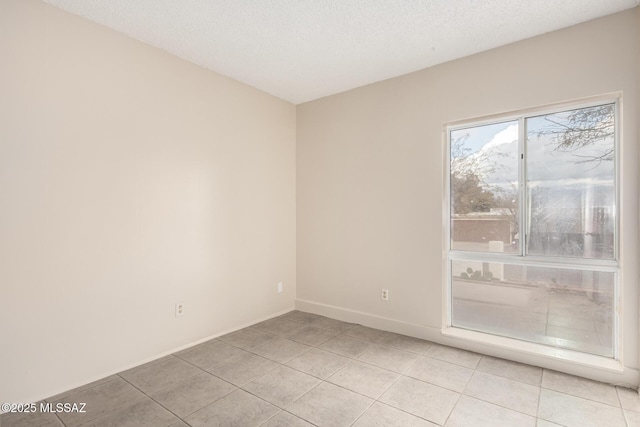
(512, 344)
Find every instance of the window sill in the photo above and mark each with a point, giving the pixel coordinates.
(536, 350)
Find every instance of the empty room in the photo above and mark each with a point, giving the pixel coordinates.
(319, 213)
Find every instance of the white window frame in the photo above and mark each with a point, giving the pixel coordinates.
(603, 265)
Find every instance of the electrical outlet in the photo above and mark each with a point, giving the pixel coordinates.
(279, 287)
(179, 309)
(385, 295)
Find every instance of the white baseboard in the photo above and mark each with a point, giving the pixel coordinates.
(592, 367)
(370, 320)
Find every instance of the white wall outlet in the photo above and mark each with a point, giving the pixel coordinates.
(279, 287)
(385, 295)
(179, 309)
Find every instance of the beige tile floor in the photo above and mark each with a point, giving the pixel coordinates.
(301, 369)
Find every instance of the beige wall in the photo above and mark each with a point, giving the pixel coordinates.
(370, 173)
(637, 52)
(130, 180)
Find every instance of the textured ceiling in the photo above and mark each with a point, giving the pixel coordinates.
(301, 50)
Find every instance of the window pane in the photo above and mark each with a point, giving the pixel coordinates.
(560, 307)
(570, 183)
(484, 188)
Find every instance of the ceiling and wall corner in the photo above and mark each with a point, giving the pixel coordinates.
(304, 50)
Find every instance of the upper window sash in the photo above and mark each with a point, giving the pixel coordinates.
(531, 185)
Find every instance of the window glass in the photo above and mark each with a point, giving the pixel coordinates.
(560, 307)
(484, 188)
(570, 183)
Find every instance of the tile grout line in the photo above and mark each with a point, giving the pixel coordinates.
(351, 361)
(49, 399)
(151, 398)
(580, 397)
(392, 384)
(271, 417)
(321, 380)
(188, 378)
(373, 402)
(624, 413)
(119, 407)
(184, 380)
(497, 404)
(398, 379)
(309, 391)
(539, 397)
(84, 391)
(60, 420)
(460, 396)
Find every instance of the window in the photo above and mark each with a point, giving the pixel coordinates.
(532, 249)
